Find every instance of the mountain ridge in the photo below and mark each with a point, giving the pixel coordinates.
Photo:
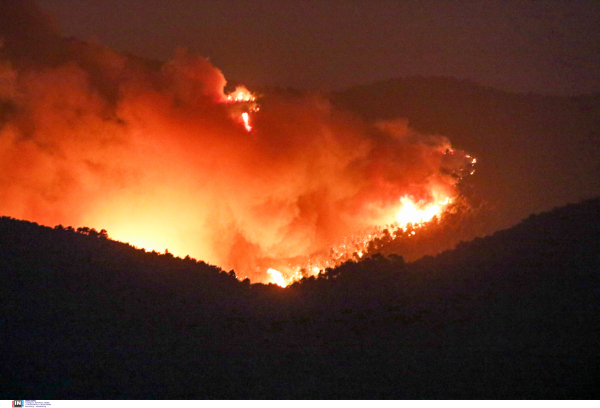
(512, 315)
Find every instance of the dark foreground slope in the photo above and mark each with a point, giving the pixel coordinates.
(513, 315)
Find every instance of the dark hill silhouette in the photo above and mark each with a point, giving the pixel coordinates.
(512, 315)
(535, 152)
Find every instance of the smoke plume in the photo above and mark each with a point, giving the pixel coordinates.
(160, 157)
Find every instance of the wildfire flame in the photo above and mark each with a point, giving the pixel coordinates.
(276, 277)
(418, 214)
(246, 120)
(415, 213)
(159, 158)
(242, 96)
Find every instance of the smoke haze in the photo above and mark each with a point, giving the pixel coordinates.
(160, 158)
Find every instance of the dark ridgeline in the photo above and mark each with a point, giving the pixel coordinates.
(512, 315)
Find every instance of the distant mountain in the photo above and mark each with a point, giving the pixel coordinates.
(535, 152)
(512, 315)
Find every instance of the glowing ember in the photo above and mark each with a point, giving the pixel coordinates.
(276, 277)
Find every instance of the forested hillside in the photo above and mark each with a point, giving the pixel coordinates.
(512, 315)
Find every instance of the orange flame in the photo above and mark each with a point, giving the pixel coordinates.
(246, 120)
(173, 167)
(243, 97)
(241, 94)
(418, 214)
(276, 277)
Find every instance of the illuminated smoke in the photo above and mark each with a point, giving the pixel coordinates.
(162, 158)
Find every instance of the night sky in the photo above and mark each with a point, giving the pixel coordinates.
(542, 46)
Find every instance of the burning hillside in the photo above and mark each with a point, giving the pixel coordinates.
(164, 158)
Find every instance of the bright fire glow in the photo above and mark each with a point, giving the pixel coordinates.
(276, 277)
(171, 166)
(244, 100)
(241, 94)
(246, 120)
(413, 213)
(355, 247)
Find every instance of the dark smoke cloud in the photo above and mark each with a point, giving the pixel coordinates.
(29, 37)
(157, 156)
